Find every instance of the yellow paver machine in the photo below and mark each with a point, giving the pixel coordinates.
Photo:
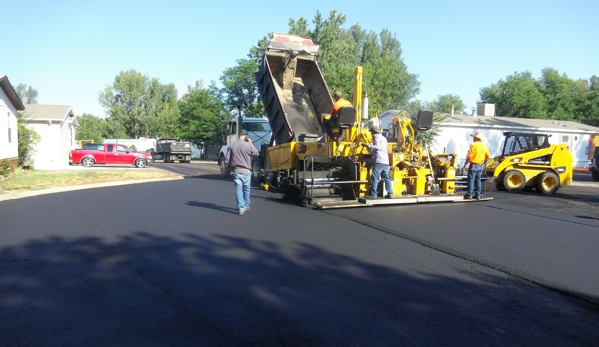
(311, 169)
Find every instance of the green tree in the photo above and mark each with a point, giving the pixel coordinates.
(444, 104)
(240, 88)
(162, 110)
(299, 27)
(91, 128)
(27, 138)
(516, 96)
(385, 75)
(203, 116)
(26, 93)
(588, 102)
(140, 104)
(561, 94)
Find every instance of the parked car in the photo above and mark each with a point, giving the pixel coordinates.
(111, 153)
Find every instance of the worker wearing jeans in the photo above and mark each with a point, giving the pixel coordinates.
(238, 159)
(478, 154)
(381, 164)
(242, 179)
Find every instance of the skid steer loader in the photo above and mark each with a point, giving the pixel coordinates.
(528, 161)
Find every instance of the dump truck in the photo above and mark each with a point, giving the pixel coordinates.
(309, 168)
(172, 149)
(528, 161)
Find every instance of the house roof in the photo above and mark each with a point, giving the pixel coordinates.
(462, 120)
(511, 122)
(47, 112)
(11, 93)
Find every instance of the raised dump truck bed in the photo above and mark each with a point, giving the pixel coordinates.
(293, 89)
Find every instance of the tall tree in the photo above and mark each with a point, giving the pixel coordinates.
(27, 93)
(203, 116)
(140, 104)
(516, 96)
(91, 128)
(561, 93)
(162, 110)
(386, 78)
(588, 102)
(240, 88)
(447, 103)
(27, 139)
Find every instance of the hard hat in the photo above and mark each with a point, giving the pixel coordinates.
(338, 94)
(375, 129)
(243, 132)
(477, 135)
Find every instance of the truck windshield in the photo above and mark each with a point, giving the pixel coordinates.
(262, 126)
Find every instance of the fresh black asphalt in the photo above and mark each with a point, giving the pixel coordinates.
(172, 264)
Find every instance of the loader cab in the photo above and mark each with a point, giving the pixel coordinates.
(516, 143)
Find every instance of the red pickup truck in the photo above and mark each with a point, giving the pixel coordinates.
(112, 153)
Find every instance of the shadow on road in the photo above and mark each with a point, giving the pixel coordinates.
(218, 177)
(211, 206)
(210, 290)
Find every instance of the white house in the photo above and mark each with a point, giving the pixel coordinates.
(10, 103)
(455, 130)
(56, 126)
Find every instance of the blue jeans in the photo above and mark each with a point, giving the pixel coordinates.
(380, 170)
(242, 181)
(475, 172)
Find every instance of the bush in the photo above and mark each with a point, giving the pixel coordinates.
(133, 148)
(4, 168)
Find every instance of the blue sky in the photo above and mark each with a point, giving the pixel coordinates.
(71, 50)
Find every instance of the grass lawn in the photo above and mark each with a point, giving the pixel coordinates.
(30, 180)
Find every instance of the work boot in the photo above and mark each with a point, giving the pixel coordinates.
(370, 197)
(467, 197)
(478, 197)
(389, 196)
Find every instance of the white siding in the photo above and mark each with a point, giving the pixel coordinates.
(67, 139)
(457, 140)
(48, 153)
(8, 120)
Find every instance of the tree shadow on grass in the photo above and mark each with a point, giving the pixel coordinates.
(218, 290)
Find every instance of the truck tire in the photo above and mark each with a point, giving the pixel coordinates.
(141, 163)
(88, 162)
(595, 175)
(547, 182)
(514, 180)
(165, 157)
(256, 179)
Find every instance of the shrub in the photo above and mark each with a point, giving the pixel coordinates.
(4, 168)
(133, 148)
